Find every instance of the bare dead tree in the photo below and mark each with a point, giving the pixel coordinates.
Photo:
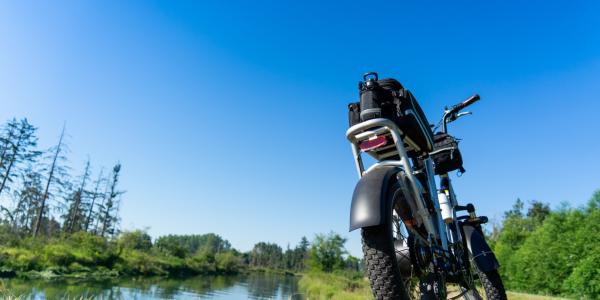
(52, 170)
(95, 195)
(74, 214)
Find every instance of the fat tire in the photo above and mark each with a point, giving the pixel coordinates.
(492, 284)
(380, 263)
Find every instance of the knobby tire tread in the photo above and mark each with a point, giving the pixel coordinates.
(380, 262)
(492, 284)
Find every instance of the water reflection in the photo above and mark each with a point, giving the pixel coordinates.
(266, 286)
(249, 286)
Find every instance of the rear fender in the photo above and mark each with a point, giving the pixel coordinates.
(370, 201)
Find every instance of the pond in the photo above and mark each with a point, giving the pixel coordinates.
(247, 286)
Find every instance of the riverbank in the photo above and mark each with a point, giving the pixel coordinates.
(134, 253)
(84, 255)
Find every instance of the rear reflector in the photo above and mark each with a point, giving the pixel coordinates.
(373, 143)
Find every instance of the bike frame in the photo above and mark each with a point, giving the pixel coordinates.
(454, 244)
(454, 232)
(382, 127)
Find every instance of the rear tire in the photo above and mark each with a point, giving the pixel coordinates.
(380, 262)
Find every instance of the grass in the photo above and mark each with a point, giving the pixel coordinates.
(523, 296)
(452, 291)
(319, 285)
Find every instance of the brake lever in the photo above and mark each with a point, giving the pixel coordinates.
(456, 116)
(462, 114)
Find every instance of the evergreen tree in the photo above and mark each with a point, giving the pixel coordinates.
(17, 147)
(108, 216)
(300, 254)
(28, 200)
(537, 212)
(189, 245)
(94, 196)
(266, 255)
(76, 215)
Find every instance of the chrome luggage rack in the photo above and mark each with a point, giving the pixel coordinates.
(374, 128)
(384, 127)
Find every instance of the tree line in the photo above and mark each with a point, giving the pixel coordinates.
(41, 197)
(326, 252)
(55, 222)
(135, 253)
(547, 251)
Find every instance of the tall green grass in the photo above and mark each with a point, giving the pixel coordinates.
(337, 285)
(353, 286)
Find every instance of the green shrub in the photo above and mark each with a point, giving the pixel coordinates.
(140, 263)
(19, 259)
(203, 262)
(584, 282)
(136, 240)
(557, 254)
(75, 267)
(57, 255)
(227, 262)
(326, 252)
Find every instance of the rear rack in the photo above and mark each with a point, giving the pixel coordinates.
(380, 127)
(376, 127)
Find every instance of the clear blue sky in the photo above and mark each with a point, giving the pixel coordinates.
(230, 117)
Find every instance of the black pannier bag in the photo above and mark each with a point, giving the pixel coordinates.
(387, 98)
(446, 155)
(353, 113)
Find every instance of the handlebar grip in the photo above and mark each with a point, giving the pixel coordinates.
(467, 102)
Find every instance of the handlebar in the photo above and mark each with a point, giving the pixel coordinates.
(456, 108)
(451, 114)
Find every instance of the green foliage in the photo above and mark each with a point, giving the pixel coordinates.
(187, 245)
(327, 251)
(19, 260)
(135, 262)
(8, 236)
(227, 262)
(294, 259)
(585, 279)
(353, 263)
(538, 212)
(203, 261)
(266, 255)
(548, 250)
(132, 253)
(551, 252)
(77, 253)
(135, 240)
(177, 255)
(339, 285)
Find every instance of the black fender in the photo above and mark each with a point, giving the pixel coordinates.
(479, 251)
(370, 198)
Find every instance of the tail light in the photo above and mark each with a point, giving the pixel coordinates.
(373, 143)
